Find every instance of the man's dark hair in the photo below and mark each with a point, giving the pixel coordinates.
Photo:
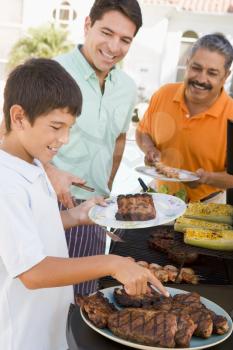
(129, 8)
(39, 86)
(215, 42)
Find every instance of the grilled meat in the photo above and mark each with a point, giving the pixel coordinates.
(97, 307)
(188, 275)
(161, 274)
(164, 233)
(187, 299)
(156, 328)
(168, 273)
(165, 244)
(138, 207)
(158, 321)
(190, 304)
(186, 328)
(160, 244)
(166, 170)
(220, 324)
(203, 321)
(180, 255)
(124, 299)
(164, 304)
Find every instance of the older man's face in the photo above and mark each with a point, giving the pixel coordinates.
(205, 76)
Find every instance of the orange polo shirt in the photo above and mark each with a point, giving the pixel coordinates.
(188, 142)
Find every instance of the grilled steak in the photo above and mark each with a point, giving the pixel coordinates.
(124, 299)
(179, 255)
(220, 324)
(138, 207)
(158, 321)
(186, 328)
(187, 299)
(165, 244)
(160, 244)
(190, 304)
(97, 307)
(156, 328)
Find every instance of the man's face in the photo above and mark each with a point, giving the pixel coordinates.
(205, 76)
(108, 40)
(43, 139)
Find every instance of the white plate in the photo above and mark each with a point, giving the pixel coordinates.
(184, 175)
(168, 208)
(195, 344)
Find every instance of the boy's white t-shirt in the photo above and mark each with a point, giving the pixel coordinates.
(30, 230)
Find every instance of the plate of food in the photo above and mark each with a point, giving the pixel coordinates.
(160, 171)
(138, 210)
(184, 320)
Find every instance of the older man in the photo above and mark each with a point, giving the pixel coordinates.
(185, 124)
(98, 137)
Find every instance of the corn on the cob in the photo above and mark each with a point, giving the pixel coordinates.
(210, 212)
(182, 223)
(211, 239)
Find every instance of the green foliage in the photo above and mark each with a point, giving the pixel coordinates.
(46, 41)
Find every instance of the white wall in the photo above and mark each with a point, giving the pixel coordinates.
(11, 11)
(143, 61)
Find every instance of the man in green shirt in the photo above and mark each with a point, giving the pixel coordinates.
(97, 139)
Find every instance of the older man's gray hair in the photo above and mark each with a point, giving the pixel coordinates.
(215, 42)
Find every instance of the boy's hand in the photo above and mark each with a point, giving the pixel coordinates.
(61, 181)
(136, 278)
(80, 212)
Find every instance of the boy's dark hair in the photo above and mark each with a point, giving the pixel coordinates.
(129, 8)
(39, 86)
(215, 42)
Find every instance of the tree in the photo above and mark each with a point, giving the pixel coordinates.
(46, 41)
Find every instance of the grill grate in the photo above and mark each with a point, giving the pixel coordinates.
(210, 265)
(178, 242)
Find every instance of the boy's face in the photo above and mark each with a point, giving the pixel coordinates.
(43, 139)
(108, 40)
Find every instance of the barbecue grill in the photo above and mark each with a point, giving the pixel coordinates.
(215, 269)
(213, 266)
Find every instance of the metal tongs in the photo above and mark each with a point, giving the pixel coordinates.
(113, 236)
(84, 187)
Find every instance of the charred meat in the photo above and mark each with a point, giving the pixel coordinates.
(156, 328)
(135, 207)
(185, 330)
(165, 244)
(157, 321)
(124, 299)
(97, 307)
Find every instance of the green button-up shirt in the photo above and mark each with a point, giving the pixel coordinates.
(89, 153)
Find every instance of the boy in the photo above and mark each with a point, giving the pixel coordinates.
(41, 101)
